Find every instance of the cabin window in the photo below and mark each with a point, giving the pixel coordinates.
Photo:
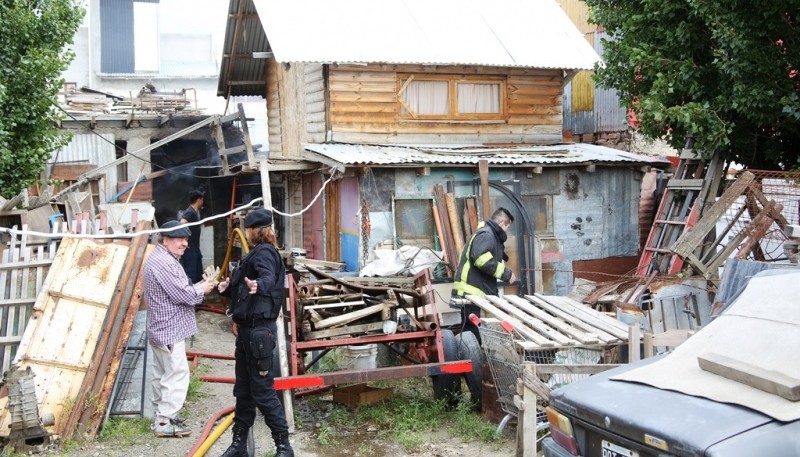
(451, 97)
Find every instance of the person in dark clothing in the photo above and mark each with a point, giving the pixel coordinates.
(255, 288)
(481, 264)
(193, 259)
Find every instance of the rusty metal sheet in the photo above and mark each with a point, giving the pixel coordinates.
(68, 316)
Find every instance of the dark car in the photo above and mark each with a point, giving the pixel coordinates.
(599, 417)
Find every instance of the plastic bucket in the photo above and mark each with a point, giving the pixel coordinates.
(360, 357)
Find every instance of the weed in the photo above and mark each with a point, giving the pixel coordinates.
(194, 382)
(125, 432)
(365, 449)
(326, 436)
(467, 425)
(410, 440)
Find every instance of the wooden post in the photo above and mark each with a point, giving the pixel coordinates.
(483, 171)
(288, 408)
(526, 419)
(633, 343)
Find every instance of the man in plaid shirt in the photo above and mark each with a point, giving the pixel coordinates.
(171, 300)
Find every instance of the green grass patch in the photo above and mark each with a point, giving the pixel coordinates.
(125, 432)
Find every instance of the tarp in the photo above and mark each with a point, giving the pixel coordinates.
(761, 328)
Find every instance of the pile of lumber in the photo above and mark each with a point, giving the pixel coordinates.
(452, 234)
(332, 307)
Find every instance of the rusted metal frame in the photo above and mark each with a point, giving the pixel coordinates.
(752, 205)
(376, 374)
(367, 339)
(757, 229)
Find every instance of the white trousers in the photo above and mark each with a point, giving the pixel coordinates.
(170, 380)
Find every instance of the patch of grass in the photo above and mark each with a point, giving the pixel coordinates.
(195, 383)
(365, 450)
(326, 436)
(124, 432)
(468, 425)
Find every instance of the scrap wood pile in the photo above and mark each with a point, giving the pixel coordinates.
(87, 101)
(451, 229)
(330, 307)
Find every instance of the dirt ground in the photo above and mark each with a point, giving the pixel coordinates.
(215, 337)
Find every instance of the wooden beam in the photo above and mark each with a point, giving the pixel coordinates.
(769, 381)
(483, 171)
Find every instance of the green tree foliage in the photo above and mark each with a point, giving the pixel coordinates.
(33, 39)
(724, 72)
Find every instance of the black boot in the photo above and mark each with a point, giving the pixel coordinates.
(282, 446)
(238, 447)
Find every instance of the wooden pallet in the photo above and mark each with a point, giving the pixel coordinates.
(554, 321)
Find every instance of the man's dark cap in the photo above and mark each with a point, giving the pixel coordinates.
(259, 218)
(182, 232)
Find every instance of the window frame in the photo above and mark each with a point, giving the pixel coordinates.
(405, 113)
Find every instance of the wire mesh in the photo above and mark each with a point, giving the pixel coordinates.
(505, 358)
(782, 187)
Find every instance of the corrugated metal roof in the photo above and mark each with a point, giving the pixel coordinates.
(555, 155)
(504, 33)
(241, 73)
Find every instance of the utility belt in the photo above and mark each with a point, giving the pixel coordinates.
(256, 320)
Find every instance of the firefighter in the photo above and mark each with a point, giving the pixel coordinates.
(481, 264)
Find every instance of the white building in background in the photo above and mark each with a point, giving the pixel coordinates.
(174, 45)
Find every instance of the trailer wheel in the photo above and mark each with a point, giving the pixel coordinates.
(470, 349)
(447, 387)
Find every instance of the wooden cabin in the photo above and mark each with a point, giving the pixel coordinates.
(399, 99)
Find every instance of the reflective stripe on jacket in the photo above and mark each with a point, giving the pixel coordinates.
(481, 264)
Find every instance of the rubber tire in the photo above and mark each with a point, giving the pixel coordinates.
(470, 349)
(447, 387)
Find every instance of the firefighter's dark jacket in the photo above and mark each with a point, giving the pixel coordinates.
(264, 264)
(481, 263)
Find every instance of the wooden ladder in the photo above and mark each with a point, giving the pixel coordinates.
(679, 210)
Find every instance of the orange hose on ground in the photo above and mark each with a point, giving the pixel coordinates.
(210, 426)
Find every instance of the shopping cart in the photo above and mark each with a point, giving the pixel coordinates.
(505, 364)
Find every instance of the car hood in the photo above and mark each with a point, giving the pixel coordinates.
(632, 410)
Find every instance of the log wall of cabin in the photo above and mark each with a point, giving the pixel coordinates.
(315, 104)
(364, 107)
(273, 109)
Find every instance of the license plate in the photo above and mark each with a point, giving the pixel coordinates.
(613, 450)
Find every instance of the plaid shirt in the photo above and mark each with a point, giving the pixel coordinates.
(171, 299)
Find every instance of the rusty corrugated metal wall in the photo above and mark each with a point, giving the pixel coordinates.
(586, 108)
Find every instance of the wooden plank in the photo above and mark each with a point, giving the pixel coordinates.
(350, 317)
(558, 323)
(633, 344)
(531, 322)
(346, 330)
(691, 239)
(521, 328)
(769, 381)
(577, 322)
(588, 314)
(455, 224)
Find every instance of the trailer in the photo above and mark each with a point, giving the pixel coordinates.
(330, 312)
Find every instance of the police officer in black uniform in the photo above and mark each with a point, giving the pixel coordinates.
(255, 288)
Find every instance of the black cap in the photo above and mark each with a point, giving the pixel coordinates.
(182, 232)
(259, 218)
